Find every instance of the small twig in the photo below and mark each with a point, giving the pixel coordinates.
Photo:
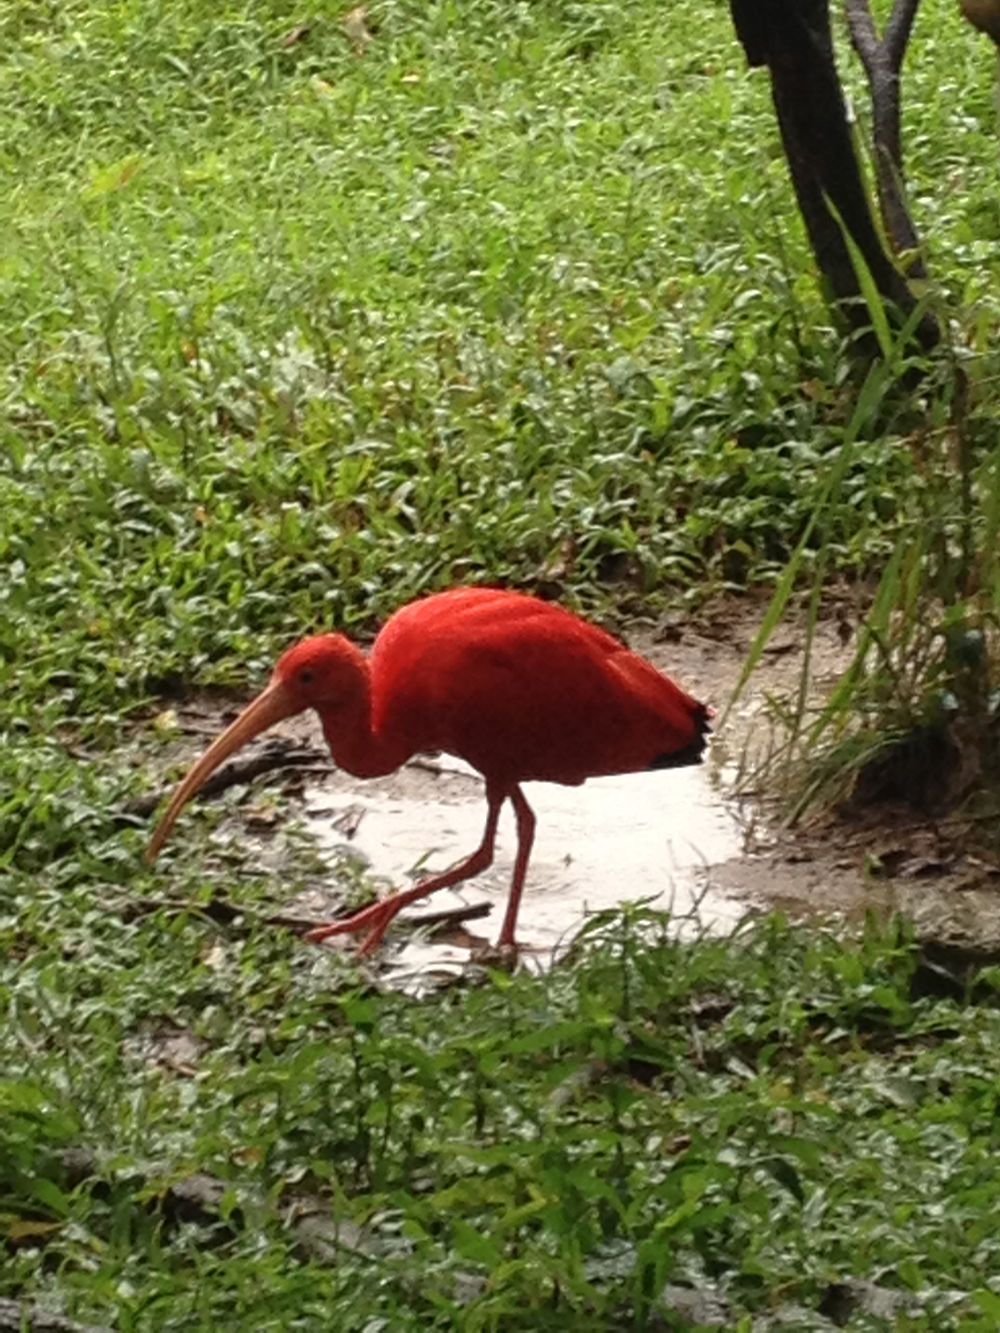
(79, 754)
(273, 758)
(448, 916)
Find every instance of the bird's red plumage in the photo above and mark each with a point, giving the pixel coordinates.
(522, 689)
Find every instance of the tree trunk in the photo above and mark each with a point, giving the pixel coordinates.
(793, 39)
(883, 59)
(984, 15)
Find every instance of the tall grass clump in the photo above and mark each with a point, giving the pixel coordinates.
(915, 718)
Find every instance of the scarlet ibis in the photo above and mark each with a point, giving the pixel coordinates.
(522, 689)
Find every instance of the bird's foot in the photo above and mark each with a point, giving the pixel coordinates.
(376, 919)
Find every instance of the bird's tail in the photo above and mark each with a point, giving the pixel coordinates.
(694, 751)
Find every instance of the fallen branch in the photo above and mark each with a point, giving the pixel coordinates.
(275, 756)
(448, 916)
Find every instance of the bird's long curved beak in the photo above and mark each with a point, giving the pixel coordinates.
(270, 706)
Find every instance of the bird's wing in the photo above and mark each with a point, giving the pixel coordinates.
(524, 689)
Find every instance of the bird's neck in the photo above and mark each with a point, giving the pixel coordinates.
(354, 745)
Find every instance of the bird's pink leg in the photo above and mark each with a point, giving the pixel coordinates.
(379, 916)
(525, 838)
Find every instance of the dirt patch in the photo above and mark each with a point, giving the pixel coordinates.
(707, 653)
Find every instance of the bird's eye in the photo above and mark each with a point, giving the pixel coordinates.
(307, 676)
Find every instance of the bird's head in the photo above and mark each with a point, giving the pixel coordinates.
(326, 672)
(323, 672)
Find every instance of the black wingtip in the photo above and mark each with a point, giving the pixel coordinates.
(694, 751)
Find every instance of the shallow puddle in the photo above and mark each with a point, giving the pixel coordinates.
(640, 836)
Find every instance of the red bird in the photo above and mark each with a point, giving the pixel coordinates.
(521, 689)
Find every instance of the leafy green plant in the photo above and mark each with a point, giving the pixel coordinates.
(527, 1150)
(289, 335)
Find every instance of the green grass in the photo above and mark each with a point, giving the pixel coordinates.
(292, 336)
(761, 1116)
(288, 337)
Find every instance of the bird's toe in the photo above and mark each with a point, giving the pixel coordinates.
(374, 919)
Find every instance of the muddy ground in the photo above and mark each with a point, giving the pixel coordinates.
(681, 839)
